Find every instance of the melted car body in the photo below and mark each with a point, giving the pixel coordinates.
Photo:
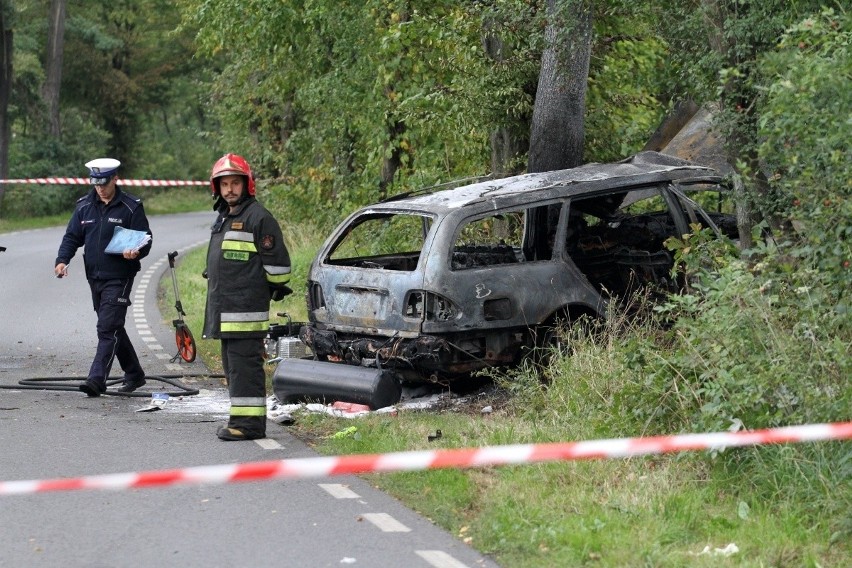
(436, 285)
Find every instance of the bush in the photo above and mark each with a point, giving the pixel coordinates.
(758, 347)
(804, 126)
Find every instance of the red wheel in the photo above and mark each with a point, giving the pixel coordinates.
(185, 343)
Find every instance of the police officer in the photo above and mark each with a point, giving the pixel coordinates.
(247, 267)
(110, 276)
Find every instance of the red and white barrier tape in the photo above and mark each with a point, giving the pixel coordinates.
(436, 459)
(85, 181)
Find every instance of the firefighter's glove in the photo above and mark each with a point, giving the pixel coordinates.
(279, 292)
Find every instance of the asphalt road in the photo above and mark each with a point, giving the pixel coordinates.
(47, 330)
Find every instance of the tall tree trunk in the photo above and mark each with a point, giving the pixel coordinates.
(5, 90)
(393, 158)
(395, 147)
(557, 134)
(53, 65)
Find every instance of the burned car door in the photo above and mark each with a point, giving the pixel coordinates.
(500, 272)
(617, 239)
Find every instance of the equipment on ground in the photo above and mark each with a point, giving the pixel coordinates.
(299, 377)
(183, 336)
(301, 380)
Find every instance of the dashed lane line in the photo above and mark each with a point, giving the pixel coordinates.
(385, 522)
(439, 559)
(269, 444)
(339, 491)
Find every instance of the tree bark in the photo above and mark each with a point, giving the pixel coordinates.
(5, 90)
(396, 128)
(679, 117)
(53, 65)
(557, 134)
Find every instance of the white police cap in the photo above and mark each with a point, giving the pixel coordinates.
(102, 169)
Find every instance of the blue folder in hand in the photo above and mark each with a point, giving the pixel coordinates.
(126, 239)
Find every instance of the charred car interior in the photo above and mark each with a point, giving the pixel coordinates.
(433, 286)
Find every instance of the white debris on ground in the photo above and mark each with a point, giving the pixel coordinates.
(208, 402)
(412, 399)
(729, 550)
(216, 402)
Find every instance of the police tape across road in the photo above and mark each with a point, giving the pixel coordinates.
(436, 459)
(86, 181)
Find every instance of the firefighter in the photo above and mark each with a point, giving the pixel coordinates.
(110, 276)
(248, 266)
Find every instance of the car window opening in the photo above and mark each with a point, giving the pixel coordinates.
(382, 241)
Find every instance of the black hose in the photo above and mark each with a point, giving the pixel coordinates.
(55, 383)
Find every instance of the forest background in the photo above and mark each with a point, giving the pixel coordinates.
(338, 104)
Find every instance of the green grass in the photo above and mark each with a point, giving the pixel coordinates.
(8, 225)
(176, 200)
(782, 506)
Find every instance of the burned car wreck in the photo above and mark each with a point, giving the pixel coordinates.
(432, 286)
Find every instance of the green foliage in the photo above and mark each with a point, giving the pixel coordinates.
(321, 93)
(129, 90)
(804, 125)
(626, 77)
(343, 87)
(761, 348)
(699, 253)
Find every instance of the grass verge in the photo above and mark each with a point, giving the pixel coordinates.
(781, 506)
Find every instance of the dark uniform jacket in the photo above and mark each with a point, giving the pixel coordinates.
(92, 226)
(247, 262)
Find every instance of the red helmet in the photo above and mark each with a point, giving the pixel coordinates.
(231, 165)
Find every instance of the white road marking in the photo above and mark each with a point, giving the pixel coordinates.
(439, 559)
(268, 444)
(339, 491)
(385, 522)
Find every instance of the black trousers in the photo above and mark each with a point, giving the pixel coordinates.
(242, 360)
(111, 298)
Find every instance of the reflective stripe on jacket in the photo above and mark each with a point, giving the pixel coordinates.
(246, 260)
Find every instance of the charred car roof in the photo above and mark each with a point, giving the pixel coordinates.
(645, 168)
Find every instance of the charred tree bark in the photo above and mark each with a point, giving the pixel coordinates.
(557, 134)
(53, 65)
(680, 116)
